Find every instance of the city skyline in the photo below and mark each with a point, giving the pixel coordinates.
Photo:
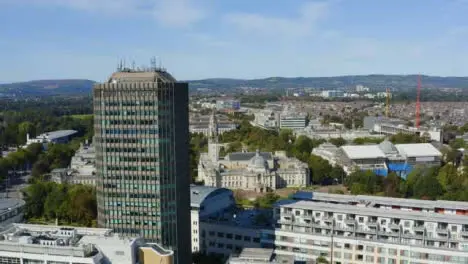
(50, 39)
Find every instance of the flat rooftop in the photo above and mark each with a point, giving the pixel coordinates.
(371, 211)
(66, 241)
(372, 201)
(363, 152)
(57, 134)
(418, 150)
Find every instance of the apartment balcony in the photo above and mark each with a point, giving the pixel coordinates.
(344, 228)
(285, 221)
(372, 224)
(394, 227)
(442, 230)
(309, 217)
(419, 228)
(287, 213)
(384, 233)
(464, 233)
(412, 236)
(350, 221)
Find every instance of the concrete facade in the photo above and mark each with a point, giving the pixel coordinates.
(142, 163)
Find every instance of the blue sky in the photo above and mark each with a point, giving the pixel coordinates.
(194, 39)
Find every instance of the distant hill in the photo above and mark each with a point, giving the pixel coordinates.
(47, 88)
(375, 82)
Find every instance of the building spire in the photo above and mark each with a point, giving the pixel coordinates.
(213, 128)
(213, 150)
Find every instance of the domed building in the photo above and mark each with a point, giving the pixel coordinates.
(257, 171)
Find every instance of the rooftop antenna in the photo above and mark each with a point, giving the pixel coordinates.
(153, 63)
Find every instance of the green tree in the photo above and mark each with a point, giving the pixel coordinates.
(337, 141)
(321, 260)
(427, 186)
(391, 185)
(320, 169)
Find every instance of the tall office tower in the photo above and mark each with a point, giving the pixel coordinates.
(142, 162)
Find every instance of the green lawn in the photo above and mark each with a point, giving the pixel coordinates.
(82, 116)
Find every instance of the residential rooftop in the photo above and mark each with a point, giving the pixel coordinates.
(65, 241)
(372, 201)
(372, 211)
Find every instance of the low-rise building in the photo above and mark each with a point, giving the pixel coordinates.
(28, 244)
(267, 119)
(384, 157)
(82, 168)
(218, 227)
(57, 137)
(332, 94)
(227, 104)
(201, 124)
(327, 151)
(391, 126)
(82, 165)
(293, 121)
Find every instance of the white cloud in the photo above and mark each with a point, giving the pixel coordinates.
(208, 40)
(170, 13)
(304, 24)
(177, 13)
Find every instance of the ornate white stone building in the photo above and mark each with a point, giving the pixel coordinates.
(258, 171)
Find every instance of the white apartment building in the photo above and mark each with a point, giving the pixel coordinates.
(42, 244)
(362, 233)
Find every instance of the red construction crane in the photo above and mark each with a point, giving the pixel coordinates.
(418, 103)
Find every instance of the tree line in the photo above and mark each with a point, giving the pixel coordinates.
(18, 118)
(69, 204)
(443, 183)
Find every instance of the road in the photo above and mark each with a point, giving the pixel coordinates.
(12, 186)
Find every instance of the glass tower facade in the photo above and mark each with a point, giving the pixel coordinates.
(142, 162)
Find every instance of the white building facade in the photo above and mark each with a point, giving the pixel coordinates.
(258, 171)
(361, 233)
